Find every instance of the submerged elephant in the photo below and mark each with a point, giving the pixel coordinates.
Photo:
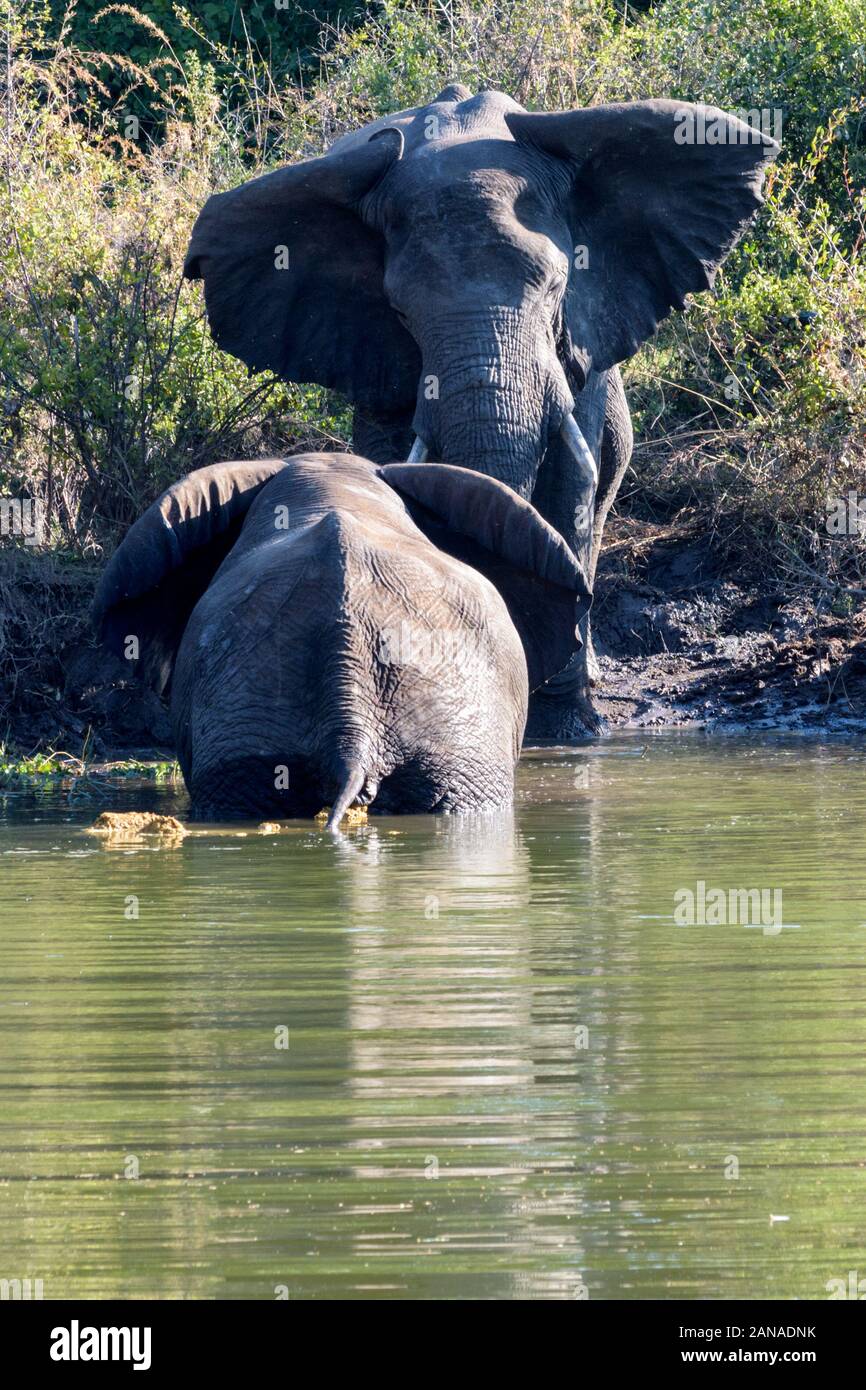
(473, 272)
(335, 632)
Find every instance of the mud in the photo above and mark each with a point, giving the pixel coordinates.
(678, 643)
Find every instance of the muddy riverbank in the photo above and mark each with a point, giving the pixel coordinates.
(682, 640)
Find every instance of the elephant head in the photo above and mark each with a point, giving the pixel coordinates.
(374, 631)
(465, 266)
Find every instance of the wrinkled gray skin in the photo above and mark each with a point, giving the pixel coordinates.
(335, 632)
(471, 272)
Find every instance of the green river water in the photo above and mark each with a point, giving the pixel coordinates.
(447, 1058)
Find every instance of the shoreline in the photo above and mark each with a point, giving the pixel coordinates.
(685, 641)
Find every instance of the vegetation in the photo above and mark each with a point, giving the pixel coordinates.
(281, 33)
(80, 776)
(750, 407)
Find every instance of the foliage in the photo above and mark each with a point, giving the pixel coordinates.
(284, 33)
(751, 407)
(112, 386)
(80, 776)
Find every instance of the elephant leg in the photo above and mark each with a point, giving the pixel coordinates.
(563, 709)
(382, 438)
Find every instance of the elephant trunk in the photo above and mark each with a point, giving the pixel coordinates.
(491, 395)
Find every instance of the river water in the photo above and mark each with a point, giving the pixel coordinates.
(520, 1057)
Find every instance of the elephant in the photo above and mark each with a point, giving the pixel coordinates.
(473, 273)
(336, 632)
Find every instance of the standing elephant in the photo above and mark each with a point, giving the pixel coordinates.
(338, 632)
(473, 273)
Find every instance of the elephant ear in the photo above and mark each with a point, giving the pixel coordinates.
(480, 520)
(660, 191)
(167, 560)
(293, 277)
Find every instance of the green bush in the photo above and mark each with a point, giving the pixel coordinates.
(111, 384)
(750, 407)
(283, 32)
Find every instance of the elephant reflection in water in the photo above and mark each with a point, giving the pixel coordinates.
(440, 914)
(463, 906)
(476, 960)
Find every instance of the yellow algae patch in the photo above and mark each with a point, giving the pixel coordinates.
(356, 815)
(131, 824)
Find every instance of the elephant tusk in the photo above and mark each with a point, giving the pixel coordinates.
(419, 451)
(579, 449)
